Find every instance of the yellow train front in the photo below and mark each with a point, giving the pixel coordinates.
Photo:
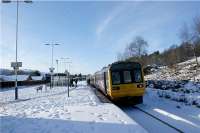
(121, 80)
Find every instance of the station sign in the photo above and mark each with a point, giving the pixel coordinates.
(51, 69)
(16, 64)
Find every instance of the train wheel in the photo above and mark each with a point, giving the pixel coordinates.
(136, 100)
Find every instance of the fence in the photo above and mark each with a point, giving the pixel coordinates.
(7, 84)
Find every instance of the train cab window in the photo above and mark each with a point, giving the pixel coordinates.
(137, 75)
(127, 76)
(115, 78)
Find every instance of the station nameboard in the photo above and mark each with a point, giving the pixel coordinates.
(16, 64)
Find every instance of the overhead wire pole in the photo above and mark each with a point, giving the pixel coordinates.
(68, 78)
(61, 69)
(67, 75)
(66, 72)
(57, 71)
(16, 64)
(64, 59)
(52, 68)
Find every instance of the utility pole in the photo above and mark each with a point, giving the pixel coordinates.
(52, 68)
(16, 64)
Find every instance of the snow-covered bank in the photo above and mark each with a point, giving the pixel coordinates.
(183, 117)
(183, 71)
(52, 111)
(181, 83)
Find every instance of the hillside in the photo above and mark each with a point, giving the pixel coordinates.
(181, 84)
(183, 71)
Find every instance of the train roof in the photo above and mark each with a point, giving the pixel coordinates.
(116, 64)
(124, 65)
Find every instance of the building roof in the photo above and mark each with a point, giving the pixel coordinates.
(37, 77)
(20, 77)
(12, 77)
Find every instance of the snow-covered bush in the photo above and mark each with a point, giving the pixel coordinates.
(181, 97)
(151, 85)
(198, 103)
(189, 99)
(176, 96)
(191, 87)
(164, 87)
(167, 94)
(160, 93)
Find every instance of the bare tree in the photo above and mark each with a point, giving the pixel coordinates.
(196, 36)
(189, 38)
(197, 25)
(196, 39)
(137, 47)
(184, 33)
(120, 56)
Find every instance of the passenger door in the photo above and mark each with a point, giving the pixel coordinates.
(105, 82)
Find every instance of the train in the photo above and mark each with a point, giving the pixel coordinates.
(120, 80)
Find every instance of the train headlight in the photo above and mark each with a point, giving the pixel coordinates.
(140, 86)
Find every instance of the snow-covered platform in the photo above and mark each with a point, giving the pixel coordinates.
(53, 112)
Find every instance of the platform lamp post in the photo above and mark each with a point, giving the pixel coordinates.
(51, 69)
(16, 64)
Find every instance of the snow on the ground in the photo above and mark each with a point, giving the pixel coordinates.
(52, 111)
(186, 118)
(182, 84)
(189, 93)
(184, 71)
(173, 95)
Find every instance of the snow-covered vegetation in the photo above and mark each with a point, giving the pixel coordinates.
(182, 71)
(180, 84)
(180, 115)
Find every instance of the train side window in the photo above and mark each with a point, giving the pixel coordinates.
(127, 76)
(137, 75)
(115, 78)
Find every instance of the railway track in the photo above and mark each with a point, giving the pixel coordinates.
(158, 119)
(148, 121)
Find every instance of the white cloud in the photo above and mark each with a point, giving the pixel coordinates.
(109, 18)
(142, 28)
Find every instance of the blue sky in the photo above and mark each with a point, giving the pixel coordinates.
(90, 33)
